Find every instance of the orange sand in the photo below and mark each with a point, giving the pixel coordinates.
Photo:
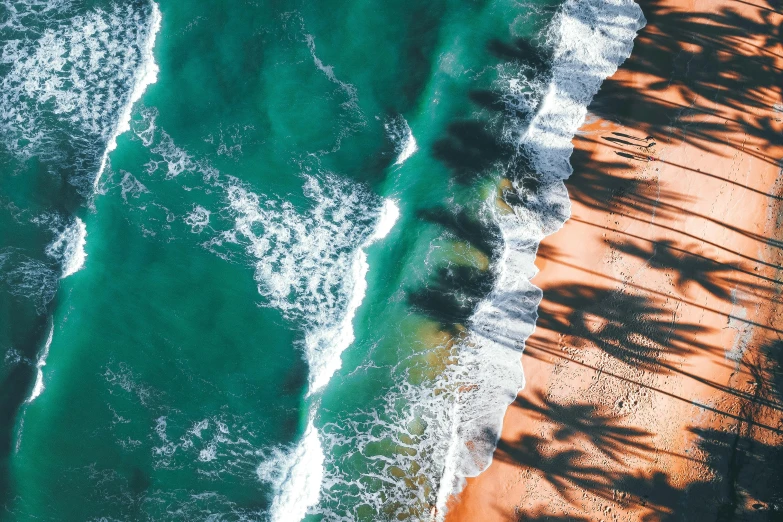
(654, 375)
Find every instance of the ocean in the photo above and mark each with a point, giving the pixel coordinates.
(271, 260)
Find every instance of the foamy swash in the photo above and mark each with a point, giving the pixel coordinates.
(591, 38)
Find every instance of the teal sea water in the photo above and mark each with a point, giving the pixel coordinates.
(270, 260)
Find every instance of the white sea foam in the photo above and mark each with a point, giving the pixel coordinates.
(68, 247)
(198, 219)
(18, 16)
(296, 477)
(326, 344)
(176, 159)
(28, 278)
(591, 38)
(146, 75)
(38, 388)
(402, 136)
(83, 70)
(213, 446)
(313, 267)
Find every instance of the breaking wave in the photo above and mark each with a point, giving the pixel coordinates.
(296, 475)
(68, 247)
(401, 135)
(38, 387)
(73, 82)
(310, 264)
(146, 75)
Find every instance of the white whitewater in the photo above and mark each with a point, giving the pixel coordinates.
(38, 388)
(408, 151)
(296, 477)
(400, 133)
(68, 248)
(591, 38)
(409, 147)
(312, 267)
(333, 341)
(147, 75)
(300, 471)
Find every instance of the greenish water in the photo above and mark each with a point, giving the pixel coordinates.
(257, 259)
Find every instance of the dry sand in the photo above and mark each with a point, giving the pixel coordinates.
(654, 379)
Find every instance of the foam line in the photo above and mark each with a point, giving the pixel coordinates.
(68, 248)
(38, 388)
(591, 38)
(147, 75)
(296, 477)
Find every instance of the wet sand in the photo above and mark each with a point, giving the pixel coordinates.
(655, 375)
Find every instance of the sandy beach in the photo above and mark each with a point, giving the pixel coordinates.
(654, 379)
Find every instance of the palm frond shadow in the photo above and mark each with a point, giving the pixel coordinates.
(585, 436)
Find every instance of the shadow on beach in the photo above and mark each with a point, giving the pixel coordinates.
(580, 447)
(585, 448)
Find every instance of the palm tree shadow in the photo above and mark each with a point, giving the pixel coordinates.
(482, 236)
(701, 55)
(605, 432)
(452, 296)
(631, 328)
(596, 185)
(469, 150)
(584, 436)
(689, 266)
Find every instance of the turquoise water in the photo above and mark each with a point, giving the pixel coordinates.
(270, 260)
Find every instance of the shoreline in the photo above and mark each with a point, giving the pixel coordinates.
(656, 337)
(502, 322)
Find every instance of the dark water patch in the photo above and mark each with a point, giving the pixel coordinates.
(452, 295)
(522, 50)
(28, 330)
(469, 150)
(478, 234)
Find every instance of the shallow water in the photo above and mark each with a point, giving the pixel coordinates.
(257, 262)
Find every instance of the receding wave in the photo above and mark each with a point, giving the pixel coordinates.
(590, 39)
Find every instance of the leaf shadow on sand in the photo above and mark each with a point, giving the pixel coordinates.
(701, 55)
